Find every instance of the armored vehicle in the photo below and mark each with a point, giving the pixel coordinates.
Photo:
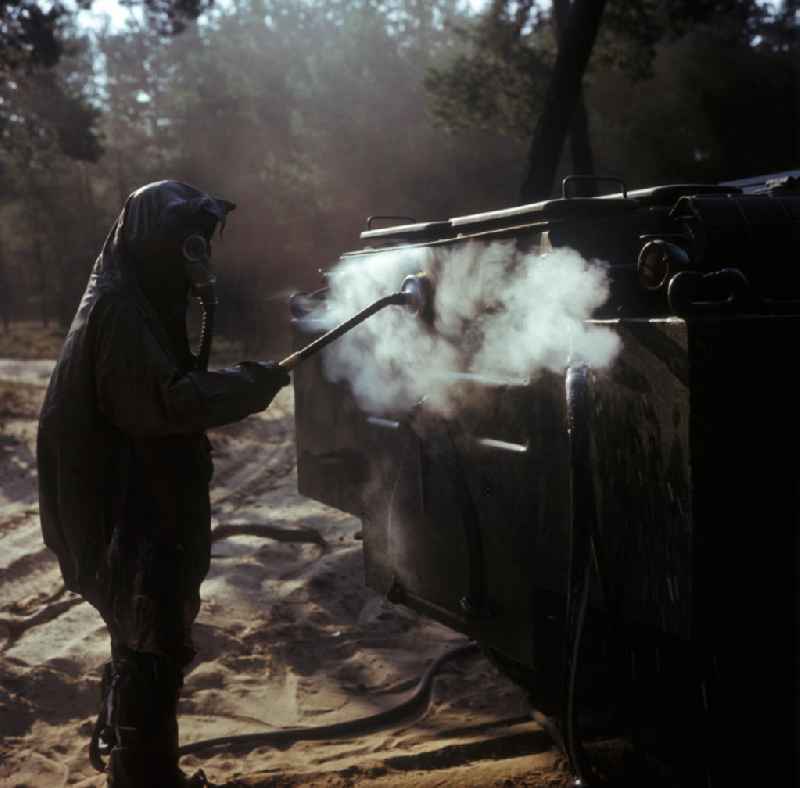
(621, 541)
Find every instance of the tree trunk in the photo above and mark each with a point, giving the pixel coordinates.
(562, 93)
(38, 254)
(579, 139)
(88, 196)
(5, 292)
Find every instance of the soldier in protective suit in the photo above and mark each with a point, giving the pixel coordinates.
(124, 465)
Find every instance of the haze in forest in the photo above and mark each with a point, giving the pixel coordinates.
(314, 115)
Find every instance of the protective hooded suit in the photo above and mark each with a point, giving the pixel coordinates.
(124, 467)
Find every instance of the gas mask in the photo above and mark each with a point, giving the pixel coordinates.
(200, 276)
(197, 267)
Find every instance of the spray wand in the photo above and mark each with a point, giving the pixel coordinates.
(415, 294)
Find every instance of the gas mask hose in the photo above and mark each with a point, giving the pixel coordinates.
(202, 282)
(206, 332)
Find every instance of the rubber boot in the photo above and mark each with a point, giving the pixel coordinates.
(144, 701)
(103, 737)
(151, 761)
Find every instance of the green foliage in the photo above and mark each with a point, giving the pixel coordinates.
(47, 112)
(713, 110)
(495, 76)
(32, 32)
(629, 35)
(29, 34)
(666, 86)
(310, 116)
(490, 90)
(171, 17)
(313, 115)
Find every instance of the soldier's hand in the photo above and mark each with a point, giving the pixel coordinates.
(269, 376)
(273, 374)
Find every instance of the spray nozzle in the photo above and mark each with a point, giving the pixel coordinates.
(418, 292)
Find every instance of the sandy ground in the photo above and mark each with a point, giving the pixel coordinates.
(288, 636)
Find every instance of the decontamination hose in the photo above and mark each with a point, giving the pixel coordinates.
(417, 703)
(290, 362)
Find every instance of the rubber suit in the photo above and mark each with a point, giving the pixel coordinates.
(124, 468)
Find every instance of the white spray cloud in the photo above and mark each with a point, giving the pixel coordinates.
(498, 314)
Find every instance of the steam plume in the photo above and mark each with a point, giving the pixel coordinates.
(498, 314)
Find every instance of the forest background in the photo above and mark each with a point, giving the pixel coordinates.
(313, 114)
